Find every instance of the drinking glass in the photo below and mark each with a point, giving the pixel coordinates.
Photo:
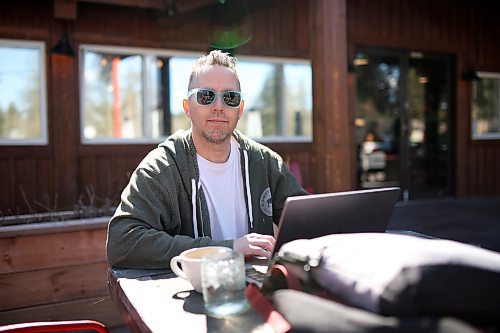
(223, 283)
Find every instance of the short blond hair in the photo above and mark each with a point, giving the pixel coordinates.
(214, 58)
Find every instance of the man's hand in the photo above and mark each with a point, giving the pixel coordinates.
(255, 245)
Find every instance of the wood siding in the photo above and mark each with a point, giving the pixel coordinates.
(58, 175)
(66, 275)
(468, 30)
(55, 273)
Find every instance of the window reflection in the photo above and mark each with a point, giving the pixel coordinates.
(112, 96)
(485, 118)
(180, 67)
(138, 96)
(22, 93)
(278, 99)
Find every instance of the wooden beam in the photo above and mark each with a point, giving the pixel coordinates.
(462, 176)
(63, 119)
(333, 132)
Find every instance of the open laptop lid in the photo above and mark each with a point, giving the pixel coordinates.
(315, 215)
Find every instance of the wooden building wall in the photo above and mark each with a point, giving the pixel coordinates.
(63, 276)
(468, 30)
(325, 31)
(61, 171)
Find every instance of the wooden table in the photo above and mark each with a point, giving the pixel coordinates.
(158, 301)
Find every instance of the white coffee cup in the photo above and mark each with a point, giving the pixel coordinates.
(190, 261)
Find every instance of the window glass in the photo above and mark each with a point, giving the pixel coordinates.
(278, 100)
(137, 96)
(180, 68)
(112, 96)
(153, 96)
(485, 118)
(298, 100)
(22, 93)
(259, 87)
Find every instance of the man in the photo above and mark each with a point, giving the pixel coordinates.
(210, 185)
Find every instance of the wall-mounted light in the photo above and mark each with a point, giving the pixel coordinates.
(360, 122)
(63, 46)
(423, 79)
(360, 59)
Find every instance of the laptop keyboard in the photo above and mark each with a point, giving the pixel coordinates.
(254, 276)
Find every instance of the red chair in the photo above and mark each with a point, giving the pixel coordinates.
(55, 326)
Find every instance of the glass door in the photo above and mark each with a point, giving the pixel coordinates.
(402, 123)
(378, 119)
(428, 120)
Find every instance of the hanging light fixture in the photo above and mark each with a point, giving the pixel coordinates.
(63, 46)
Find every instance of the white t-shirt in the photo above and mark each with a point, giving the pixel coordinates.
(223, 187)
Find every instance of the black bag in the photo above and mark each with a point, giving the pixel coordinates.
(310, 313)
(385, 282)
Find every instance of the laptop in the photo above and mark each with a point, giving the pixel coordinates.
(316, 215)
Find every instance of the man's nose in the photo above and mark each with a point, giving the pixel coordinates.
(218, 104)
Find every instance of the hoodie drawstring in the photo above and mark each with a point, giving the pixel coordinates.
(193, 201)
(247, 183)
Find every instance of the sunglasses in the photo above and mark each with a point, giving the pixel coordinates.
(230, 98)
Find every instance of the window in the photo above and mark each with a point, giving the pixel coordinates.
(278, 99)
(485, 118)
(121, 95)
(131, 95)
(23, 109)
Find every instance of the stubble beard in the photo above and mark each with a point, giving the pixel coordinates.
(215, 136)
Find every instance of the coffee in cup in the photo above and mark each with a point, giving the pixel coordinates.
(187, 265)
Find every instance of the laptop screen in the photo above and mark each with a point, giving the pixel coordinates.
(315, 215)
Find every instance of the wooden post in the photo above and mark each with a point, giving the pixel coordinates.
(333, 138)
(64, 120)
(462, 175)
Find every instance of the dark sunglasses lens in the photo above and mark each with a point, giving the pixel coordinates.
(205, 97)
(232, 98)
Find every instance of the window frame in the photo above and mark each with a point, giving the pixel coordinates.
(43, 139)
(490, 136)
(144, 52)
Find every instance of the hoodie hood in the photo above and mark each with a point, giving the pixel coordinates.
(178, 148)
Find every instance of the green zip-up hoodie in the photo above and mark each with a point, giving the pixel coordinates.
(162, 211)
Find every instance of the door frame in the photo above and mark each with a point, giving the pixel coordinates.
(404, 56)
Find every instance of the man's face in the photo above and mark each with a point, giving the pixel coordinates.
(215, 122)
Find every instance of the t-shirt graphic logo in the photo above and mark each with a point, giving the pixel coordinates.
(266, 202)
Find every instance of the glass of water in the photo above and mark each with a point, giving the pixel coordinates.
(223, 283)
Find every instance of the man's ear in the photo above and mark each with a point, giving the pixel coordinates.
(240, 111)
(185, 106)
